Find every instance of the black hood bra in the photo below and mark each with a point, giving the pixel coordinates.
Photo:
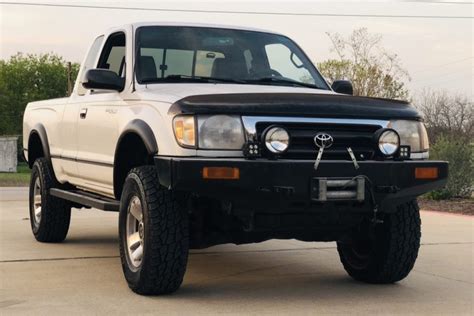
(295, 104)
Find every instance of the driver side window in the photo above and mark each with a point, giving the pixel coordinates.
(113, 54)
(283, 62)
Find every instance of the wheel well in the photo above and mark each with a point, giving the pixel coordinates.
(131, 152)
(35, 149)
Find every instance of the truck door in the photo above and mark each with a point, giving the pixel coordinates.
(97, 127)
(68, 125)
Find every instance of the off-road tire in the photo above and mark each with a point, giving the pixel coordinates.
(165, 237)
(391, 247)
(53, 224)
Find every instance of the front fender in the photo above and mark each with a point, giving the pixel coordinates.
(145, 132)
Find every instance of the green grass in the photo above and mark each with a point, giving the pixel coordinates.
(19, 179)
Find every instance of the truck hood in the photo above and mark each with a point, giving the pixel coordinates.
(172, 92)
(274, 101)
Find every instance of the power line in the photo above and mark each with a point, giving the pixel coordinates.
(446, 78)
(450, 73)
(436, 67)
(438, 2)
(443, 75)
(445, 81)
(236, 12)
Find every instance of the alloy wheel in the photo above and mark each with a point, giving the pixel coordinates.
(37, 202)
(135, 231)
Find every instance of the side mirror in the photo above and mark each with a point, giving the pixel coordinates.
(103, 79)
(342, 86)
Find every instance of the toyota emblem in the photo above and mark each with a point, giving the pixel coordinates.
(323, 140)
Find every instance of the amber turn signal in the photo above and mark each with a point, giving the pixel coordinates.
(223, 173)
(426, 173)
(184, 130)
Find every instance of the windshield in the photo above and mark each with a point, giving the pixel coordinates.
(201, 54)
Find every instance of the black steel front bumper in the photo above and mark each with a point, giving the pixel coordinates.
(264, 179)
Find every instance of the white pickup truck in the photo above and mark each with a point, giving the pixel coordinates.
(202, 135)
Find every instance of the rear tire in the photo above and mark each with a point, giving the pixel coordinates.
(49, 216)
(153, 232)
(387, 252)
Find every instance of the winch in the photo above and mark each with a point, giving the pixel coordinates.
(338, 189)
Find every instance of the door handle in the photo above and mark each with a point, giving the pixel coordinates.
(83, 113)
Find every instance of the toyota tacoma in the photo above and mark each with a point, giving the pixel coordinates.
(201, 135)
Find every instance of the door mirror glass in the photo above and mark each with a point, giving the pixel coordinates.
(343, 86)
(103, 79)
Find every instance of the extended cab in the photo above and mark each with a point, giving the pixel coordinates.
(203, 135)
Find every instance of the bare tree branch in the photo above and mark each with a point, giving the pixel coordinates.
(362, 59)
(444, 114)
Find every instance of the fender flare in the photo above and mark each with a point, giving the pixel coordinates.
(144, 131)
(41, 131)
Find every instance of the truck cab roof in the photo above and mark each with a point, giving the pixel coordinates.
(190, 24)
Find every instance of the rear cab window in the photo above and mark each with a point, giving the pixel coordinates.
(161, 62)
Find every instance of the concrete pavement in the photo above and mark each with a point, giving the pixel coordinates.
(83, 274)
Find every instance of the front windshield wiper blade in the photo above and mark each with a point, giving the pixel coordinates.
(178, 78)
(267, 80)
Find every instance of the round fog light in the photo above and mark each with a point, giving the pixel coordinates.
(277, 140)
(389, 142)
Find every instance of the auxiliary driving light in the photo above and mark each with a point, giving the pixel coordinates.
(388, 142)
(277, 139)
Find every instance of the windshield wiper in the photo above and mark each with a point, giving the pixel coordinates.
(186, 78)
(263, 80)
(267, 80)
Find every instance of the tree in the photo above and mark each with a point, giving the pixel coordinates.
(444, 114)
(26, 78)
(460, 154)
(373, 71)
(450, 123)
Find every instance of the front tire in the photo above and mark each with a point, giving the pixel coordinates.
(49, 216)
(385, 253)
(153, 232)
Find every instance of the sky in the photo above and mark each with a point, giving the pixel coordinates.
(436, 52)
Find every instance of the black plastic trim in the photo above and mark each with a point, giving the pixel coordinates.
(41, 131)
(24, 154)
(295, 104)
(145, 132)
(87, 199)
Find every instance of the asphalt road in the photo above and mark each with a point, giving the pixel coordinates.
(83, 274)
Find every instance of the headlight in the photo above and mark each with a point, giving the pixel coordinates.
(412, 133)
(220, 132)
(277, 139)
(184, 130)
(388, 142)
